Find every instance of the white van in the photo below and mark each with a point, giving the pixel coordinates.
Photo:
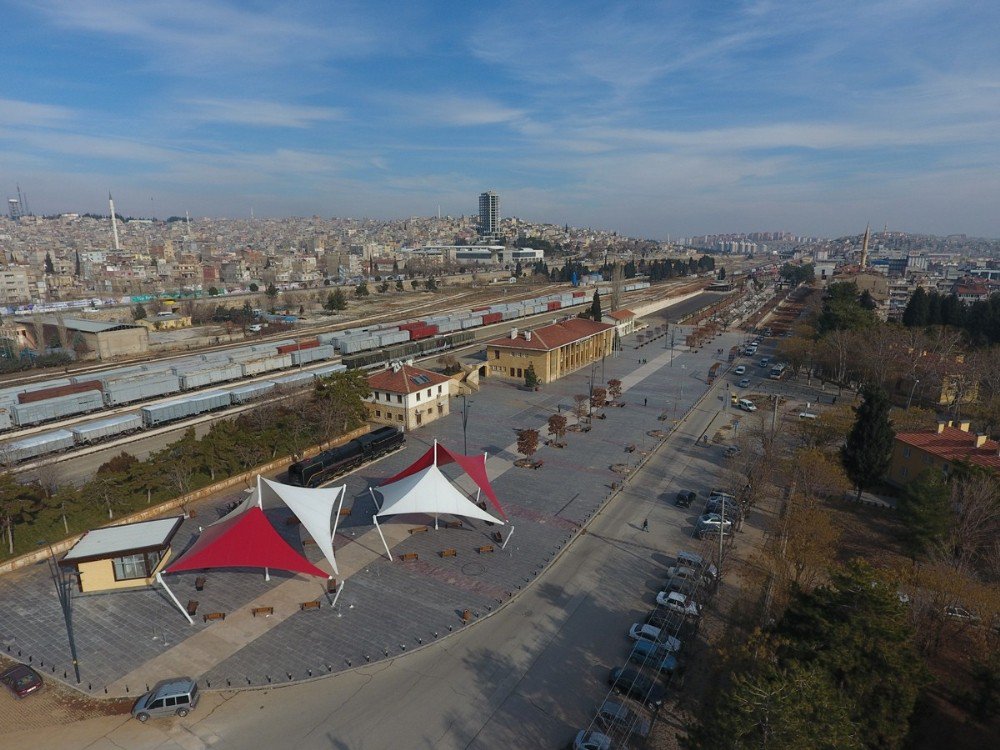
(747, 405)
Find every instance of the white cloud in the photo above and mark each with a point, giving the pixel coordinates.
(261, 113)
(453, 109)
(14, 112)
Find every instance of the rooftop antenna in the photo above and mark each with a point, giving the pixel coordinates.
(114, 221)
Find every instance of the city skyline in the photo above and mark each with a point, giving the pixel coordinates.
(650, 121)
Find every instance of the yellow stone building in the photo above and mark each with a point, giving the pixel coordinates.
(554, 350)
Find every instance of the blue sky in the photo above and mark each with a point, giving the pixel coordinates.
(651, 118)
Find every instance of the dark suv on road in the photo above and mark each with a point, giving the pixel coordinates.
(685, 498)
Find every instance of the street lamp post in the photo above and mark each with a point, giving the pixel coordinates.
(465, 423)
(908, 400)
(61, 579)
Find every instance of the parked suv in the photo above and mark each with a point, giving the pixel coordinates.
(685, 498)
(173, 697)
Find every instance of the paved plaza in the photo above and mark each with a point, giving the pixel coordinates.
(128, 639)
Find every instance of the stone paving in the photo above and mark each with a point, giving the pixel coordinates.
(386, 608)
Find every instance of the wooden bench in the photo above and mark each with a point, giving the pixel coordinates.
(409, 556)
(192, 607)
(418, 529)
(308, 540)
(199, 583)
(538, 464)
(346, 511)
(485, 548)
(262, 611)
(453, 525)
(314, 604)
(292, 521)
(449, 552)
(214, 616)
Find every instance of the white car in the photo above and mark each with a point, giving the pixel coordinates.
(740, 370)
(682, 573)
(640, 632)
(711, 522)
(677, 602)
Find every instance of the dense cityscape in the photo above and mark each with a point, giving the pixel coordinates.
(543, 376)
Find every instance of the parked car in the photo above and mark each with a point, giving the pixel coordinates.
(740, 370)
(677, 602)
(958, 612)
(685, 498)
(765, 361)
(745, 383)
(718, 503)
(682, 573)
(639, 632)
(22, 680)
(691, 560)
(634, 684)
(712, 523)
(173, 697)
(591, 740)
(733, 450)
(664, 619)
(747, 405)
(618, 716)
(648, 654)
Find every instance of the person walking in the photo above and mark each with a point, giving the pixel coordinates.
(645, 524)
(645, 401)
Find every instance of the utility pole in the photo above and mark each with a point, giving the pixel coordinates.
(465, 423)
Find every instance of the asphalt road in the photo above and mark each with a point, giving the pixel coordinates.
(528, 676)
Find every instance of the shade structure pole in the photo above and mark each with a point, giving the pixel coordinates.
(509, 535)
(260, 494)
(379, 529)
(336, 596)
(159, 579)
(336, 520)
(435, 522)
(267, 574)
(374, 499)
(435, 452)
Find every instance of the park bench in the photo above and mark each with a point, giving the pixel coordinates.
(346, 511)
(453, 525)
(292, 521)
(199, 583)
(314, 604)
(538, 464)
(265, 611)
(418, 529)
(449, 552)
(485, 548)
(192, 607)
(409, 556)
(214, 616)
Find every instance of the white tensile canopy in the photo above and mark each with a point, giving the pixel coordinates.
(427, 491)
(315, 509)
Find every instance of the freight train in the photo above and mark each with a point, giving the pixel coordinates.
(312, 472)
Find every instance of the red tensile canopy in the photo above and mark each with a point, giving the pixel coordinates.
(246, 541)
(474, 466)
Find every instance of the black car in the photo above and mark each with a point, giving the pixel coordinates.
(685, 498)
(634, 684)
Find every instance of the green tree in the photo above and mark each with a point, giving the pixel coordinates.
(531, 377)
(917, 309)
(868, 449)
(431, 284)
(842, 309)
(361, 290)
(383, 287)
(336, 300)
(925, 510)
(345, 392)
(414, 284)
(856, 630)
(771, 707)
(399, 285)
(213, 291)
(139, 312)
(595, 307)
(253, 287)
(272, 293)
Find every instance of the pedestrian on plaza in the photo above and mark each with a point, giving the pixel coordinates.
(645, 401)
(645, 524)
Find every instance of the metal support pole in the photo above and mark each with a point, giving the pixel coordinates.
(908, 400)
(159, 579)
(509, 535)
(336, 595)
(384, 543)
(66, 603)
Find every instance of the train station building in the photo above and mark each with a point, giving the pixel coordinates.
(90, 339)
(554, 350)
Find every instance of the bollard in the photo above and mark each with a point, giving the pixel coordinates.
(289, 675)
(420, 641)
(367, 657)
(228, 683)
(311, 672)
(208, 684)
(268, 677)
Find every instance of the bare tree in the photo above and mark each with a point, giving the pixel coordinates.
(557, 428)
(581, 406)
(527, 442)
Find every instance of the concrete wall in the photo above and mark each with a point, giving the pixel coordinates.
(111, 344)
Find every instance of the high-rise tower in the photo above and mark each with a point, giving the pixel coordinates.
(864, 246)
(489, 214)
(114, 221)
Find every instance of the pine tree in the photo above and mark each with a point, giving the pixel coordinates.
(917, 309)
(531, 377)
(868, 449)
(595, 307)
(925, 509)
(77, 272)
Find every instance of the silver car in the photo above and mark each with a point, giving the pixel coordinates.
(173, 697)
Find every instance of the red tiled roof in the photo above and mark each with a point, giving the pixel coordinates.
(547, 338)
(621, 314)
(405, 380)
(953, 444)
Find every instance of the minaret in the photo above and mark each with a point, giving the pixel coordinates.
(114, 221)
(864, 247)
